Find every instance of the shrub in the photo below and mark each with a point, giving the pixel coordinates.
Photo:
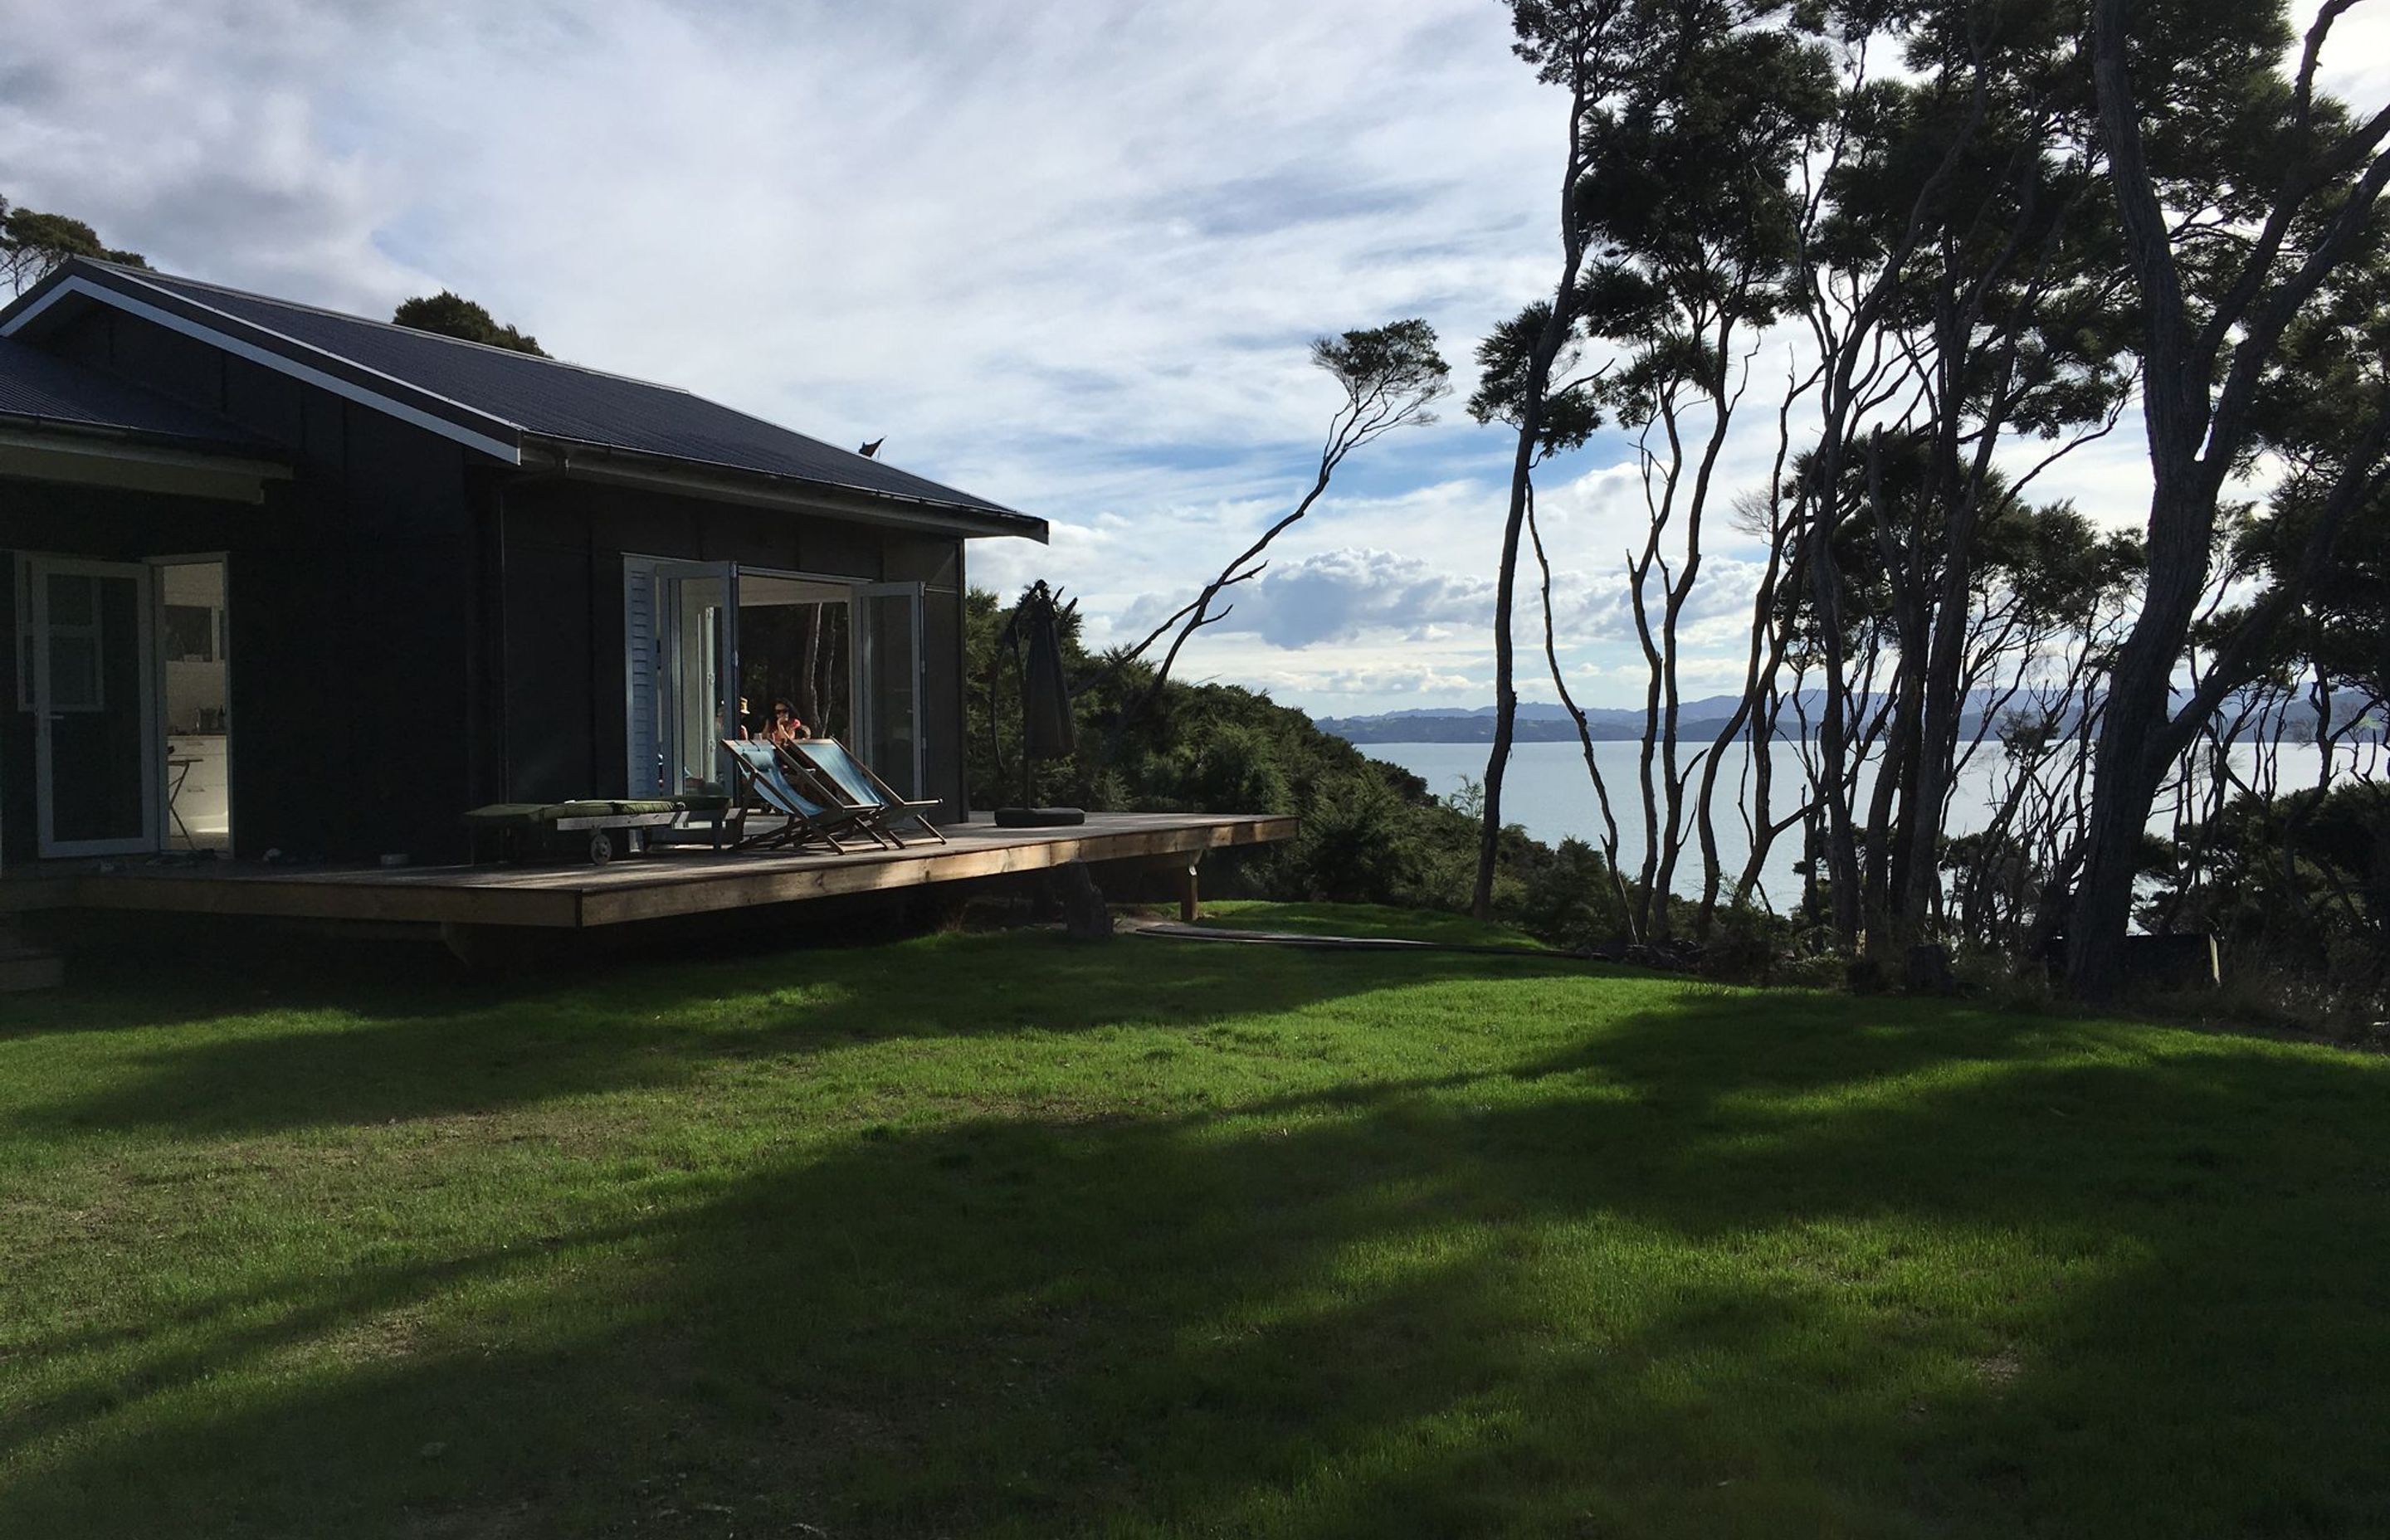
(1352, 847)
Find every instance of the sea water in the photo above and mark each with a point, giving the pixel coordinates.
(1547, 791)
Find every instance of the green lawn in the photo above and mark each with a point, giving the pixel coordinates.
(993, 1235)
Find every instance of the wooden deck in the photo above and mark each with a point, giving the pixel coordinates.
(632, 887)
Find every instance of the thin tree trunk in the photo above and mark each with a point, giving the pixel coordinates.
(1555, 333)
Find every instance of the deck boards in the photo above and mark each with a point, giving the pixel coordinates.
(632, 887)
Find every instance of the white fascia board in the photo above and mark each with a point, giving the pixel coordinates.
(128, 467)
(105, 443)
(853, 505)
(77, 284)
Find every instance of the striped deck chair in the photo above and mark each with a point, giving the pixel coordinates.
(810, 812)
(859, 790)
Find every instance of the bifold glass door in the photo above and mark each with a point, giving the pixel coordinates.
(680, 633)
(90, 688)
(683, 668)
(887, 688)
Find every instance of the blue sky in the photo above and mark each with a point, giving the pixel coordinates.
(1068, 256)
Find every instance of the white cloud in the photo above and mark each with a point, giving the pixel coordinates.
(1391, 681)
(1067, 256)
(1339, 595)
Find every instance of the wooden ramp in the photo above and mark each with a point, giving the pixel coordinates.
(632, 887)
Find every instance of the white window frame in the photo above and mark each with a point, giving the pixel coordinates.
(866, 706)
(150, 705)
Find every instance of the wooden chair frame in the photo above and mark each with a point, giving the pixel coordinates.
(874, 801)
(812, 813)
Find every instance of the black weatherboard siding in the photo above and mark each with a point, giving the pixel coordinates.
(348, 603)
(564, 546)
(427, 612)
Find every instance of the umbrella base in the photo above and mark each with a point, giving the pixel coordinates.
(1039, 817)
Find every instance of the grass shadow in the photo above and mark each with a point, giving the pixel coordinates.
(1726, 1263)
(364, 1038)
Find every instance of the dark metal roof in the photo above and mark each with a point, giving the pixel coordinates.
(51, 392)
(546, 398)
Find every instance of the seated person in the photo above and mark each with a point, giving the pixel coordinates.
(786, 726)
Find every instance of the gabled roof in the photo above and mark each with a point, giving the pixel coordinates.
(39, 390)
(496, 400)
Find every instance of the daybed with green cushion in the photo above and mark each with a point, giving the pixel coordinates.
(596, 828)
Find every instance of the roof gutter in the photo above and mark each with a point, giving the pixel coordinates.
(50, 451)
(248, 460)
(573, 460)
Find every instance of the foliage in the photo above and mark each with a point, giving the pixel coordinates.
(1391, 377)
(2295, 886)
(31, 243)
(1371, 831)
(2250, 208)
(452, 314)
(1981, 237)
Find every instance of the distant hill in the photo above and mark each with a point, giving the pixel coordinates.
(1538, 722)
(1547, 721)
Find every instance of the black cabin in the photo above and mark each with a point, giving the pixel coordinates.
(283, 580)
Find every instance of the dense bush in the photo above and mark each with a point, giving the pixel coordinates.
(2296, 890)
(1371, 832)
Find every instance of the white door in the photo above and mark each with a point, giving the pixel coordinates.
(887, 716)
(91, 684)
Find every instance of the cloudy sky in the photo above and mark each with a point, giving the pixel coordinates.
(1065, 255)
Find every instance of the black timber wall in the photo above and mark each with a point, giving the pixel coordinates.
(564, 543)
(356, 602)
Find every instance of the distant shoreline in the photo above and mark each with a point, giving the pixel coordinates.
(1540, 722)
(1362, 731)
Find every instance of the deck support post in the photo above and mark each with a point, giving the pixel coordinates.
(1085, 916)
(1189, 896)
(24, 966)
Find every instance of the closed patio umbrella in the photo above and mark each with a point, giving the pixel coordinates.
(1047, 727)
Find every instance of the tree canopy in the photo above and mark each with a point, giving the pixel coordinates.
(32, 243)
(451, 315)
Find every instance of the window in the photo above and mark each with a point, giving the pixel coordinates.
(191, 633)
(75, 644)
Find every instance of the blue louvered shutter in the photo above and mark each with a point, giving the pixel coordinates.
(639, 665)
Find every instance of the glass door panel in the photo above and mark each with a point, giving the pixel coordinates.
(95, 771)
(192, 643)
(888, 689)
(795, 647)
(700, 658)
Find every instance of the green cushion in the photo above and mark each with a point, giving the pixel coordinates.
(532, 815)
(507, 814)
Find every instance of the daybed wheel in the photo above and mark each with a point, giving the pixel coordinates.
(602, 848)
